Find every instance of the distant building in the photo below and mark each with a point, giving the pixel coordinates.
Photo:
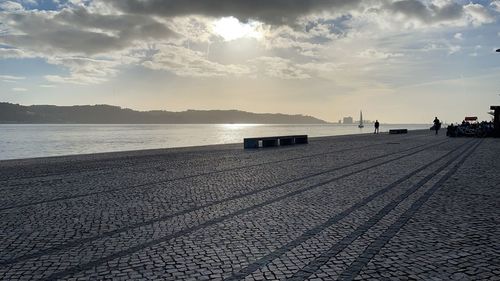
(348, 120)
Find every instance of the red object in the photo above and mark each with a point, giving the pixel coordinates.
(474, 118)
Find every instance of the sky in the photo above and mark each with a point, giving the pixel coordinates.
(397, 61)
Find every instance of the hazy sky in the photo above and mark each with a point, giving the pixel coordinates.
(398, 61)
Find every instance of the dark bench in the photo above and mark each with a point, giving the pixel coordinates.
(274, 141)
(398, 131)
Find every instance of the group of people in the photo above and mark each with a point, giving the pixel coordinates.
(466, 129)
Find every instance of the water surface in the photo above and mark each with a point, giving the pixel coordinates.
(40, 140)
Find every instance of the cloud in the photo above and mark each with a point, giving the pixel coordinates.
(281, 68)
(193, 28)
(495, 4)
(11, 6)
(11, 78)
(458, 36)
(19, 89)
(84, 70)
(9, 53)
(478, 14)
(419, 14)
(89, 44)
(189, 63)
(92, 40)
(185, 62)
(269, 11)
(79, 31)
(308, 42)
(375, 54)
(452, 49)
(427, 13)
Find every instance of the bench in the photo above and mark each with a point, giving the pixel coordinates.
(274, 141)
(398, 131)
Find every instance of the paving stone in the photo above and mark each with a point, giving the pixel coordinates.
(339, 207)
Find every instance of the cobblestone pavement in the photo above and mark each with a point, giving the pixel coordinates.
(381, 207)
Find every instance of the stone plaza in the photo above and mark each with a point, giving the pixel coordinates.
(380, 207)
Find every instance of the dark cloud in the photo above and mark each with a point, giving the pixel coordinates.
(123, 24)
(79, 31)
(431, 13)
(279, 12)
(269, 11)
(70, 40)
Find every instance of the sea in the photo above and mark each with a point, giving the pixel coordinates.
(19, 141)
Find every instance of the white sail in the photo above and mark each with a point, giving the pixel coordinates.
(360, 119)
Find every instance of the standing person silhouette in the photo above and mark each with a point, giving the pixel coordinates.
(437, 124)
(377, 124)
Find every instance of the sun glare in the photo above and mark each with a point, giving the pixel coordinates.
(230, 28)
(238, 126)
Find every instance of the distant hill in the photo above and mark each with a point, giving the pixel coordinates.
(107, 114)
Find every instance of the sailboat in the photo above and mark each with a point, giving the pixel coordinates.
(361, 120)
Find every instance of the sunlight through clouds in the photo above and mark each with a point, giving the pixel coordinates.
(230, 28)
